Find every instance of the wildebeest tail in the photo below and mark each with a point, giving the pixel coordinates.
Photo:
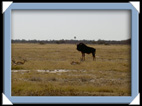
(93, 53)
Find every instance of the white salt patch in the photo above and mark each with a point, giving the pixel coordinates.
(48, 71)
(14, 70)
(20, 71)
(54, 71)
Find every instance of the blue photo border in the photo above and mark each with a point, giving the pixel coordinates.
(72, 99)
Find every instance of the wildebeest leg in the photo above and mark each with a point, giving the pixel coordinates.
(93, 54)
(83, 56)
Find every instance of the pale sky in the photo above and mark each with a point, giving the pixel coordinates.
(67, 24)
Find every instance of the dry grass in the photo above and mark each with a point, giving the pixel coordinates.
(109, 75)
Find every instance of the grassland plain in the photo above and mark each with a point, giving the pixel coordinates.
(109, 75)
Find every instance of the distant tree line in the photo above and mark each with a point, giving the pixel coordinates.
(62, 41)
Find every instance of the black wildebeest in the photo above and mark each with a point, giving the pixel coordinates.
(85, 49)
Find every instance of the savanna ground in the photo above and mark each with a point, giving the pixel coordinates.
(109, 75)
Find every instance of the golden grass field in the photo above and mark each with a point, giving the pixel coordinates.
(109, 75)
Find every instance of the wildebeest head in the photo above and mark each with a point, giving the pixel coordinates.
(81, 46)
